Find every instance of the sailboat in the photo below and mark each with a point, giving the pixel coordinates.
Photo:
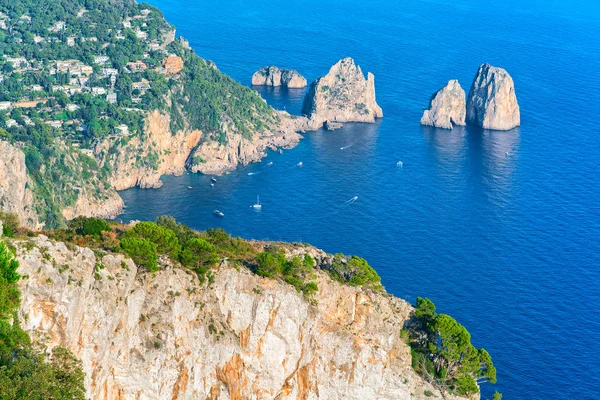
(257, 206)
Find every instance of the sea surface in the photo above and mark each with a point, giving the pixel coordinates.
(500, 229)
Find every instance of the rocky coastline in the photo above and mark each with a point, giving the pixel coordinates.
(275, 77)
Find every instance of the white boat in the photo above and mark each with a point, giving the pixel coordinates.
(269, 164)
(219, 213)
(214, 180)
(300, 164)
(189, 187)
(257, 206)
(212, 185)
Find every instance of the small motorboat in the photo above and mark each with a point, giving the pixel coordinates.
(189, 187)
(300, 164)
(219, 213)
(257, 206)
(213, 180)
(269, 164)
(212, 184)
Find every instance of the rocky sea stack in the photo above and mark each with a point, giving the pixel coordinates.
(447, 107)
(492, 102)
(274, 76)
(343, 95)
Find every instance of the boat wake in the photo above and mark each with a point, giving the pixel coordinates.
(253, 173)
(352, 200)
(347, 147)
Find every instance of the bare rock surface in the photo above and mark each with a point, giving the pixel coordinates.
(274, 76)
(343, 95)
(241, 336)
(447, 107)
(15, 185)
(492, 101)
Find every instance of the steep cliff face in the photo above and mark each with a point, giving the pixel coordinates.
(343, 95)
(274, 76)
(141, 161)
(492, 102)
(447, 107)
(15, 185)
(240, 336)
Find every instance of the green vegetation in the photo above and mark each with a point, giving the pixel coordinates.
(442, 352)
(354, 271)
(25, 373)
(10, 224)
(146, 242)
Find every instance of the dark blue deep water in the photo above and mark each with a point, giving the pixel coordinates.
(499, 229)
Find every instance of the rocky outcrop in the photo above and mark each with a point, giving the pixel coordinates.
(90, 206)
(273, 76)
(241, 336)
(213, 157)
(447, 107)
(15, 185)
(492, 102)
(343, 95)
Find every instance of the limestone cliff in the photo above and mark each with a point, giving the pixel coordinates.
(274, 76)
(343, 95)
(141, 161)
(447, 107)
(492, 102)
(15, 185)
(238, 336)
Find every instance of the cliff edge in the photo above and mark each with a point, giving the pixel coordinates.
(168, 336)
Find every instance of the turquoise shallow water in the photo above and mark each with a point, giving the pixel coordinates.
(499, 229)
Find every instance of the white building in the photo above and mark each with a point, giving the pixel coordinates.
(111, 98)
(109, 72)
(5, 105)
(72, 107)
(122, 130)
(11, 123)
(100, 59)
(98, 91)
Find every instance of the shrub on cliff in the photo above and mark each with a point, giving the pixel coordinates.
(354, 271)
(199, 255)
(24, 371)
(165, 239)
(10, 223)
(89, 226)
(142, 252)
(443, 353)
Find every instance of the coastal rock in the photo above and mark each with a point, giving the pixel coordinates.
(168, 336)
(492, 102)
(274, 76)
(343, 95)
(15, 185)
(447, 107)
(215, 158)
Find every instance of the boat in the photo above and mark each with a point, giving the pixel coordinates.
(219, 213)
(400, 164)
(257, 206)
(300, 164)
(189, 187)
(212, 184)
(269, 164)
(214, 180)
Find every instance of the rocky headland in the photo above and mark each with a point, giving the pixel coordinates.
(274, 76)
(237, 336)
(343, 95)
(492, 101)
(447, 107)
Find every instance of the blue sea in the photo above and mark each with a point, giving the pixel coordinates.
(500, 229)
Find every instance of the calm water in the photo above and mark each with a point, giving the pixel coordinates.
(499, 229)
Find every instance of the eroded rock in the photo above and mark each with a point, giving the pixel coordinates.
(447, 107)
(274, 76)
(343, 95)
(492, 101)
